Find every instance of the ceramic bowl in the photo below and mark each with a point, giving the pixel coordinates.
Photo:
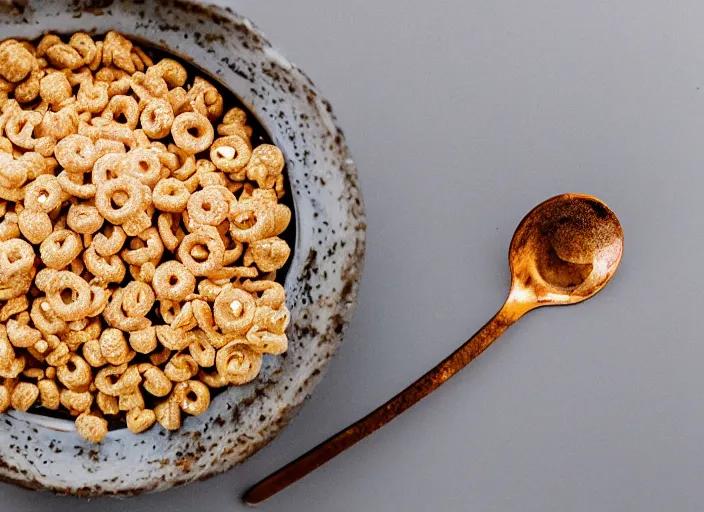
(43, 453)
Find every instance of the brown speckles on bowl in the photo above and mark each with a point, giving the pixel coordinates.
(44, 453)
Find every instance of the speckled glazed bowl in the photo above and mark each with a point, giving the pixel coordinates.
(321, 284)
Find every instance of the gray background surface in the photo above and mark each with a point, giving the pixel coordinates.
(462, 116)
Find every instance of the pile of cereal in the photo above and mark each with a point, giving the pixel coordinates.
(139, 236)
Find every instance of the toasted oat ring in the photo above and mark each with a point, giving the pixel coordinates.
(76, 153)
(170, 195)
(107, 168)
(237, 363)
(123, 107)
(230, 154)
(216, 251)
(45, 319)
(142, 164)
(60, 248)
(137, 299)
(72, 184)
(192, 143)
(110, 242)
(43, 194)
(234, 311)
(208, 207)
(157, 118)
(115, 316)
(133, 204)
(73, 305)
(110, 269)
(252, 220)
(16, 256)
(84, 219)
(173, 281)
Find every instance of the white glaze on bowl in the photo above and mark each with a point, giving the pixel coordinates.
(44, 453)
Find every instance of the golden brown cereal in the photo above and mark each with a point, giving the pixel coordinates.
(91, 427)
(192, 405)
(48, 394)
(168, 414)
(23, 396)
(88, 173)
(196, 142)
(139, 420)
(237, 363)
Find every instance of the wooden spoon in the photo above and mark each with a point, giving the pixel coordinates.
(563, 252)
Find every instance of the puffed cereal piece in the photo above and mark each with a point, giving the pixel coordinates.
(60, 248)
(268, 254)
(140, 420)
(12, 307)
(110, 241)
(93, 354)
(173, 339)
(76, 375)
(208, 237)
(157, 118)
(107, 404)
(22, 336)
(201, 350)
(117, 51)
(230, 155)
(23, 396)
(237, 363)
(168, 414)
(156, 382)
(116, 317)
(113, 347)
(181, 368)
(84, 219)
(194, 406)
(234, 311)
(110, 269)
(49, 394)
(76, 153)
(143, 341)
(252, 220)
(63, 56)
(16, 62)
(129, 401)
(125, 185)
(118, 380)
(208, 207)
(71, 306)
(91, 427)
(43, 194)
(171, 195)
(35, 226)
(173, 73)
(181, 132)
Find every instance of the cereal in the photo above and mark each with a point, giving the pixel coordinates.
(110, 161)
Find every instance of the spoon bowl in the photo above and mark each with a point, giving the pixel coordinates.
(564, 251)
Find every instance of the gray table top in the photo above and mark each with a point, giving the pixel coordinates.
(461, 117)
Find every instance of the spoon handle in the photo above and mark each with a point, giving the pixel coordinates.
(422, 387)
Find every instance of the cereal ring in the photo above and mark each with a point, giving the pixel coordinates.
(201, 397)
(99, 297)
(16, 257)
(205, 99)
(69, 296)
(12, 307)
(54, 88)
(22, 336)
(92, 97)
(182, 131)
(268, 254)
(84, 219)
(118, 380)
(123, 110)
(237, 363)
(139, 420)
(138, 299)
(170, 195)
(43, 194)
(109, 269)
(181, 368)
(76, 375)
(93, 354)
(23, 396)
(117, 50)
(212, 379)
(152, 252)
(48, 394)
(105, 196)
(184, 321)
(208, 207)
(106, 168)
(84, 45)
(35, 226)
(60, 248)
(266, 342)
(28, 90)
(272, 293)
(115, 316)
(44, 318)
(234, 311)
(265, 166)
(157, 118)
(231, 154)
(251, 220)
(201, 350)
(173, 73)
(173, 339)
(142, 164)
(209, 237)
(20, 127)
(110, 242)
(76, 153)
